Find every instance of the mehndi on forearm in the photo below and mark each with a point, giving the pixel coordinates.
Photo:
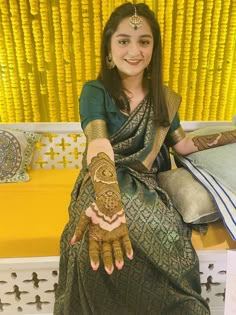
(110, 213)
(214, 140)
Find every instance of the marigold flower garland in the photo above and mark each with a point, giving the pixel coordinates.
(77, 43)
(202, 60)
(167, 41)
(211, 59)
(40, 62)
(225, 89)
(178, 34)
(38, 44)
(3, 87)
(231, 97)
(215, 98)
(160, 13)
(97, 34)
(50, 74)
(23, 112)
(231, 104)
(194, 59)
(30, 60)
(15, 113)
(86, 40)
(60, 69)
(67, 109)
(184, 71)
(34, 6)
(6, 99)
(105, 11)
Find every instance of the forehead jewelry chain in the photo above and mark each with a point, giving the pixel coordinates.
(135, 21)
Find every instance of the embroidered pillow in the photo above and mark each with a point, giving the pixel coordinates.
(16, 148)
(190, 198)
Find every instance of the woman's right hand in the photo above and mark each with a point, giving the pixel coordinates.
(108, 239)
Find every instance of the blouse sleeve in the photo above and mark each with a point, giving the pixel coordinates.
(176, 132)
(92, 104)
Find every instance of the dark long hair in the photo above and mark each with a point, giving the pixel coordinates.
(111, 79)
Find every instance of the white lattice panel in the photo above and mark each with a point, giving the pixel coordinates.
(213, 266)
(230, 299)
(56, 150)
(27, 286)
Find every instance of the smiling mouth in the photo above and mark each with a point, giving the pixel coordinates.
(132, 62)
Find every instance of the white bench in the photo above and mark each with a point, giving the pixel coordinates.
(27, 284)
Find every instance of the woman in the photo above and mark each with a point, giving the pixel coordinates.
(125, 249)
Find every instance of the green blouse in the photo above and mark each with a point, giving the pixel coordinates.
(96, 103)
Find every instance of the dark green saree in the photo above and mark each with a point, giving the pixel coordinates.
(163, 278)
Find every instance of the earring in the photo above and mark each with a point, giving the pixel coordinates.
(109, 61)
(148, 73)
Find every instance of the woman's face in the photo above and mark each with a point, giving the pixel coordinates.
(132, 49)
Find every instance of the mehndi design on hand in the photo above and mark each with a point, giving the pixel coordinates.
(108, 232)
(214, 140)
(108, 211)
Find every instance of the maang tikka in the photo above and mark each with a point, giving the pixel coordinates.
(135, 21)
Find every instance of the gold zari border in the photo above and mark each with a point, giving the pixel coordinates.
(177, 135)
(96, 129)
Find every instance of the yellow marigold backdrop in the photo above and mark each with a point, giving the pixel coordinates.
(49, 48)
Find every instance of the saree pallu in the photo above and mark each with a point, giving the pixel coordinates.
(163, 277)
